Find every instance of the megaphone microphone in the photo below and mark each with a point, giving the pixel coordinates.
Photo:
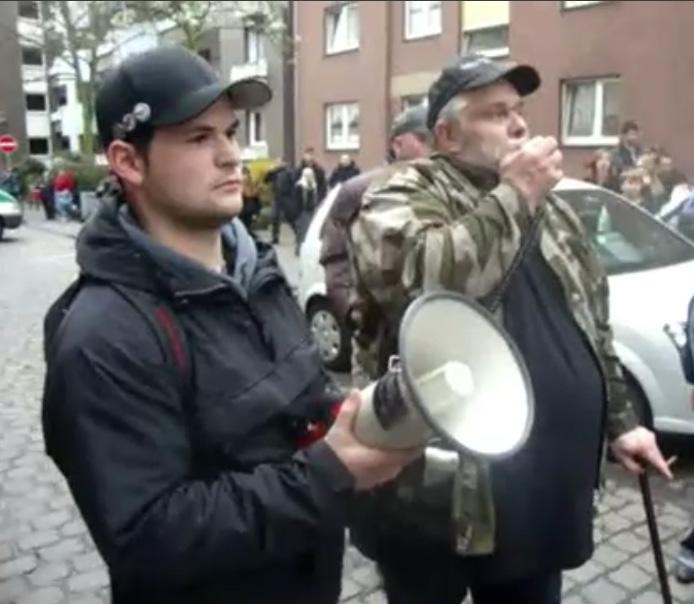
(458, 377)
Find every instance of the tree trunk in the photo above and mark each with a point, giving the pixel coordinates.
(87, 102)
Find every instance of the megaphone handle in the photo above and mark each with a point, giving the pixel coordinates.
(655, 538)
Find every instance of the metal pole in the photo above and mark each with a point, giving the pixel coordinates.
(655, 538)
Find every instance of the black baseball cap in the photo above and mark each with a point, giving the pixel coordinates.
(165, 86)
(469, 72)
(412, 120)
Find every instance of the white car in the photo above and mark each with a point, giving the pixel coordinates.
(650, 270)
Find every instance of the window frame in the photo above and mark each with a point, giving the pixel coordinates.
(252, 129)
(344, 144)
(408, 34)
(36, 6)
(333, 12)
(253, 41)
(38, 95)
(39, 138)
(24, 49)
(589, 4)
(493, 53)
(592, 140)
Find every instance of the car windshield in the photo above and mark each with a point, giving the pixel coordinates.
(627, 238)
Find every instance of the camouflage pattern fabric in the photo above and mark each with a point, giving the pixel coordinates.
(433, 224)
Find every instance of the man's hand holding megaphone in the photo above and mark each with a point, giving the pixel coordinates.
(369, 466)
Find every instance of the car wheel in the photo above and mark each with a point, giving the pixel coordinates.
(332, 337)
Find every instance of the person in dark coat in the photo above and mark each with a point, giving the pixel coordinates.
(626, 155)
(191, 448)
(280, 181)
(251, 202)
(308, 161)
(345, 170)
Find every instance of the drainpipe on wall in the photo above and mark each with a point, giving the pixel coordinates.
(389, 69)
(291, 88)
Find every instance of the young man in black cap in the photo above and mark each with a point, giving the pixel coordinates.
(183, 388)
(504, 529)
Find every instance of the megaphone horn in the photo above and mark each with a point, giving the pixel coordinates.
(459, 376)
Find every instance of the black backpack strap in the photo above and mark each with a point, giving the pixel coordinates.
(170, 334)
(56, 315)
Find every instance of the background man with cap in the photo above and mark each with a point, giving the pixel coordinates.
(409, 139)
(456, 221)
(184, 396)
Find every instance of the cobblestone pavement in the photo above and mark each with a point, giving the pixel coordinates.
(46, 555)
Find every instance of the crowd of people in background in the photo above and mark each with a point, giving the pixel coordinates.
(58, 193)
(296, 193)
(647, 177)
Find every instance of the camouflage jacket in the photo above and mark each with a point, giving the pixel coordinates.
(435, 225)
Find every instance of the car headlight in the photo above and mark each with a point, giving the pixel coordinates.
(677, 332)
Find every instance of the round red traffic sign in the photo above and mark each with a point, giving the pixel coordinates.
(8, 144)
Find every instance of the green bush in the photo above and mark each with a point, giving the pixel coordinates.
(30, 171)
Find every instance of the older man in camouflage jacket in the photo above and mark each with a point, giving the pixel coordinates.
(456, 221)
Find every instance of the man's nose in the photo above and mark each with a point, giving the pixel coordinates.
(228, 152)
(518, 126)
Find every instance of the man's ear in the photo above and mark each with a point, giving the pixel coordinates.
(126, 163)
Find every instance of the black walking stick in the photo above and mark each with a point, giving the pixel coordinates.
(655, 538)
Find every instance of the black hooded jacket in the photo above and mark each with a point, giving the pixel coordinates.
(195, 493)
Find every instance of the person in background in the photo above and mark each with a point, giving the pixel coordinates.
(48, 198)
(409, 139)
(280, 181)
(601, 170)
(345, 170)
(64, 185)
(654, 193)
(251, 202)
(632, 186)
(667, 173)
(308, 161)
(627, 153)
(679, 211)
(306, 194)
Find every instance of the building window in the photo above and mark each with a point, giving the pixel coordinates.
(422, 19)
(255, 128)
(254, 46)
(32, 56)
(342, 126)
(590, 113)
(342, 28)
(35, 102)
(570, 4)
(38, 146)
(415, 100)
(490, 42)
(28, 10)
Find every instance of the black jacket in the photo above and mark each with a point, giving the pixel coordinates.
(334, 251)
(343, 174)
(195, 494)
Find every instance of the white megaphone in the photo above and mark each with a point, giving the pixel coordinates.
(458, 377)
